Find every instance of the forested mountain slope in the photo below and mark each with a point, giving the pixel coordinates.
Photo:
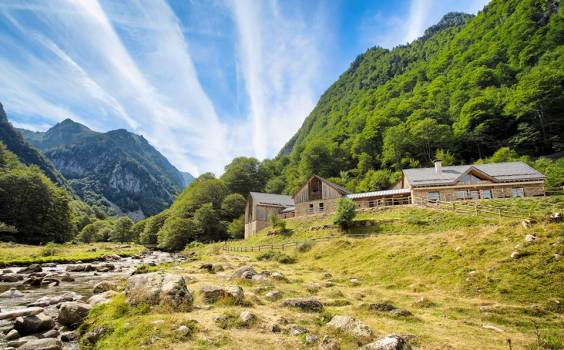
(468, 87)
(25, 152)
(117, 168)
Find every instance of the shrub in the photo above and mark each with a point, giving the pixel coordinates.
(50, 249)
(236, 228)
(176, 233)
(152, 227)
(305, 246)
(346, 212)
(280, 257)
(122, 230)
(279, 225)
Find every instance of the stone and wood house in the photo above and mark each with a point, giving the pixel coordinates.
(418, 186)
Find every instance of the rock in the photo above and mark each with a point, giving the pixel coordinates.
(354, 282)
(94, 335)
(10, 277)
(80, 268)
(102, 298)
(515, 255)
(530, 238)
(305, 304)
(104, 286)
(30, 311)
(33, 281)
(42, 344)
(382, 307)
(11, 335)
(113, 257)
(388, 342)
(159, 289)
(258, 277)
(66, 277)
(312, 288)
(183, 331)
(248, 271)
(327, 343)
(423, 302)
(72, 314)
(352, 327)
(401, 312)
(557, 256)
(492, 328)
(207, 267)
(158, 322)
(12, 293)
(53, 333)
(34, 324)
(211, 294)
(278, 276)
(69, 336)
(327, 276)
(311, 339)
(246, 318)
(105, 268)
(33, 268)
(273, 295)
(295, 330)
(527, 223)
(275, 328)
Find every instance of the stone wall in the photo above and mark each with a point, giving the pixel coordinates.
(497, 191)
(329, 206)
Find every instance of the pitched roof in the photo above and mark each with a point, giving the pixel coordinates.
(272, 199)
(498, 172)
(379, 193)
(334, 185)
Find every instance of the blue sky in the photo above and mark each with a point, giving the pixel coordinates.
(203, 81)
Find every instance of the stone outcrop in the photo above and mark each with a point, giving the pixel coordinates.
(352, 327)
(159, 289)
(72, 314)
(212, 294)
(34, 324)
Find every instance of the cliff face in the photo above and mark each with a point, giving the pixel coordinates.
(114, 169)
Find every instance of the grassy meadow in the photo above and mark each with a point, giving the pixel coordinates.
(453, 272)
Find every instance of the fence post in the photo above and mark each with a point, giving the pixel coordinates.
(476, 208)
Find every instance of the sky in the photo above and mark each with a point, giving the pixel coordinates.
(203, 81)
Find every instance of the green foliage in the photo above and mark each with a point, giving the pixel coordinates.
(176, 233)
(7, 228)
(152, 227)
(305, 246)
(280, 257)
(122, 230)
(345, 214)
(278, 224)
(376, 180)
(244, 175)
(137, 229)
(30, 202)
(236, 228)
(210, 224)
(446, 157)
(50, 249)
(233, 205)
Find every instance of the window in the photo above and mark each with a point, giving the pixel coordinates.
(371, 204)
(486, 194)
(310, 209)
(469, 179)
(517, 192)
(434, 196)
(321, 206)
(461, 194)
(474, 194)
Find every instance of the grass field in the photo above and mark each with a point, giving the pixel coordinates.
(475, 296)
(17, 254)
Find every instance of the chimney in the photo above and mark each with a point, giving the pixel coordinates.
(438, 167)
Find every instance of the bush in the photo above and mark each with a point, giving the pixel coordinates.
(305, 246)
(236, 228)
(152, 227)
(50, 249)
(280, 257)
(346, 212)
(176, 233)
(279, 225)
(122, 230)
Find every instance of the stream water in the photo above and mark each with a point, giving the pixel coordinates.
(83, 285)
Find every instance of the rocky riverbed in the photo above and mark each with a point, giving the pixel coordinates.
(42, 304)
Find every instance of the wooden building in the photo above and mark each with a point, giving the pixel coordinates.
(480, 181)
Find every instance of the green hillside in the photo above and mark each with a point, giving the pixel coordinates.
(468, 87)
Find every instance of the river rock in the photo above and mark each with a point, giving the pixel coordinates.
(304, 304)
(11, 335)
(12, 293)
(102, 298)
(159, 289)
(66, 277)
(104, 286)
(94, 335)
(33, 268)
(69, 336)
(34, 324)
(388, 342)
(10, 277)
(42, 344)
(352, 327)
(80, 268)
(30, 311)
(105, 267)
(71, 313)
(53, 333)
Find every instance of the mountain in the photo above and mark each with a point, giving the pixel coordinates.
(187, 178)
(117, 169)
(26, 153)
(468, 87)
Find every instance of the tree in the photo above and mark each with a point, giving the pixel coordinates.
(137, 229)
(86, 235)
(152, 227)
(244, 175)
(176, 233)
(233, 205)
(210, 226)
(122, 230)
(316, 159)
(446, 157)
(199, 192)
(236, 228)
(345, 214)
(376, 180)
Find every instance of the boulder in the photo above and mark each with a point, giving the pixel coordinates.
(70, 336)
(159, 289)
(34, 324)
(102, 298)
(530, 238)
(11, 335)
(304, 304)
(212, 294)
(295, 330)
(246, 318)
(311, 339)
(245, 272)
(10, 277)
(72, 314)
(105, 267)
(352, 327)
(94, 335)
(382, 307)
(388, 342)
(207, 267)
(42, 344)
(53, 333)
(183, 331)
(30, 311)
(66, 277)
(515, 255)
(278, 276)
(104, 286)
(273, 295)
(12, 293)
(327, 343)
(33, 268)
(354, 282)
